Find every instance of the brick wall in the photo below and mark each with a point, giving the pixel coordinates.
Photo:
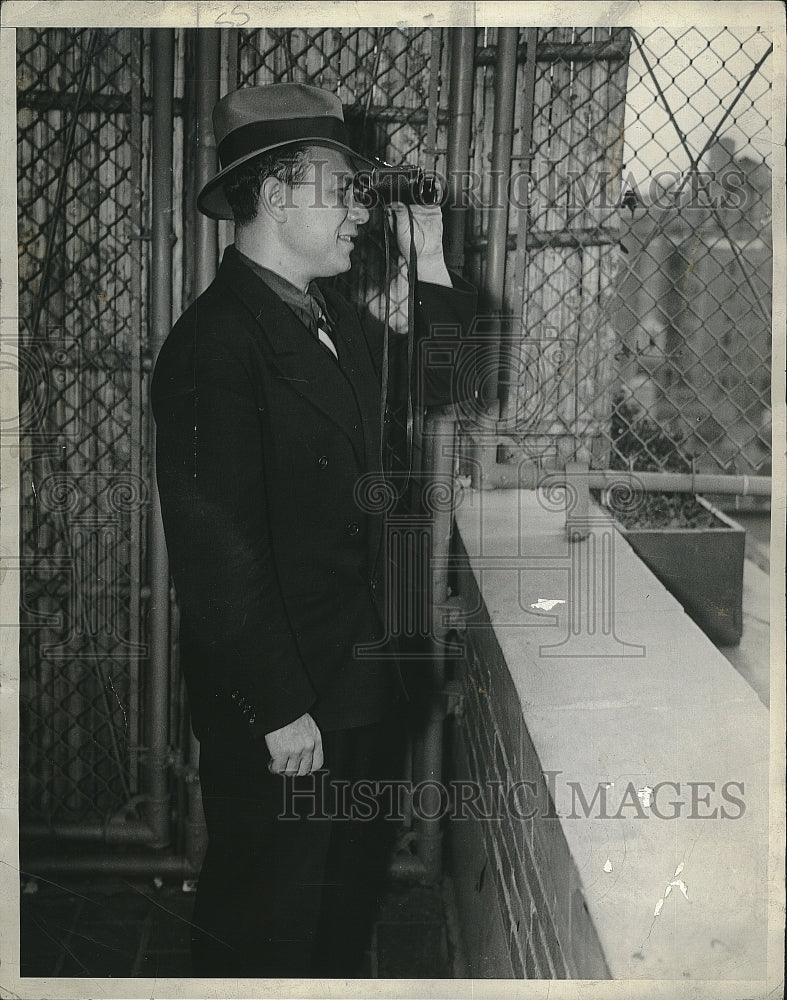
(652, 704)
(521, 905)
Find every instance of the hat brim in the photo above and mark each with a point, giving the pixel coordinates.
(212, 201)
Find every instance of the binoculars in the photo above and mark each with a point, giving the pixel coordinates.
(384, 184)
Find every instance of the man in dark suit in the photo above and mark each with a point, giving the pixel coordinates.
(266, 397)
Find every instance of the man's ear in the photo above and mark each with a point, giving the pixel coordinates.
(272, 198)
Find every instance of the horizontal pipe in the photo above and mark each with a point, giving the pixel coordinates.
(594, 237)
(108, 864)
(51, 100)
(582, 51)
(682, 482)
(126, 832)
(57, 100)
(491, 475)
(409, 116)
(108, 361)
(551, 52)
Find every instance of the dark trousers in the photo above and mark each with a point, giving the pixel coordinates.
(293, 870)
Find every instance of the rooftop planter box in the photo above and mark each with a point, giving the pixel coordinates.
(695, 550)
(700, 565)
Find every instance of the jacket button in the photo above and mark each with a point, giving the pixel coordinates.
(353, 528)
(322, 461)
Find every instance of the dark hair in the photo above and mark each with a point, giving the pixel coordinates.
(242, 188)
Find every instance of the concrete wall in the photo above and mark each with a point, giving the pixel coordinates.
(613, 689)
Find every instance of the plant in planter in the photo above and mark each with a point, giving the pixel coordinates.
(695, 550)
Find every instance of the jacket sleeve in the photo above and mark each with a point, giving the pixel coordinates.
(211, 481)
(445, 355)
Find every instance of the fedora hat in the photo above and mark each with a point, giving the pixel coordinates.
(255, 120)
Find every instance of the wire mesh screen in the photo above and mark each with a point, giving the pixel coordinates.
(693, 311)
(640, 250)
(555, 364)
(84, 481)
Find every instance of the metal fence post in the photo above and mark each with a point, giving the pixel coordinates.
(439, 437)
(208, 73)
(438, 457)
(502, 136)
(492, 288)
(458, 155)
(157, 763)
(207, 79)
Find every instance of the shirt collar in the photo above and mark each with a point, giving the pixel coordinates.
(302, 303)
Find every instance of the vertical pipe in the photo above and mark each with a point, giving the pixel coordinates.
(502, 136)
(206, 86)
(157, 764)
(233, 60)
(458, 154)
(230, 40)
(137, 428)
(492, 288)
(439, 463)
(509, 387)
(438, 438)
(196, 830)
(439, 434)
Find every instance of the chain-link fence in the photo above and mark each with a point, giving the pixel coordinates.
(693, 312)
(84, 482)
(556, 344)
(640, 253)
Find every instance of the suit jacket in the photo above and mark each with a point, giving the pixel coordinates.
(261, 440)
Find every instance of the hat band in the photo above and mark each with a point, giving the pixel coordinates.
(262, 135)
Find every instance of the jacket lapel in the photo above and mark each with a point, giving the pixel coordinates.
(358, 364)
(298, 357)
(358, 368)
(349, 395)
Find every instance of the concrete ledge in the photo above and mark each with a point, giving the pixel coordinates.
(612, 692)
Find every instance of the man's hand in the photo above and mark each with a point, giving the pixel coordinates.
(296, 749)
(428, 238)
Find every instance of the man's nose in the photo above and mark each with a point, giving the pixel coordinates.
(356, 212)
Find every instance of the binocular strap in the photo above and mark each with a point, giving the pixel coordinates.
(412, 277)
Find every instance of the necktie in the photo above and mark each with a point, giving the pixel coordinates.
(323, 330)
